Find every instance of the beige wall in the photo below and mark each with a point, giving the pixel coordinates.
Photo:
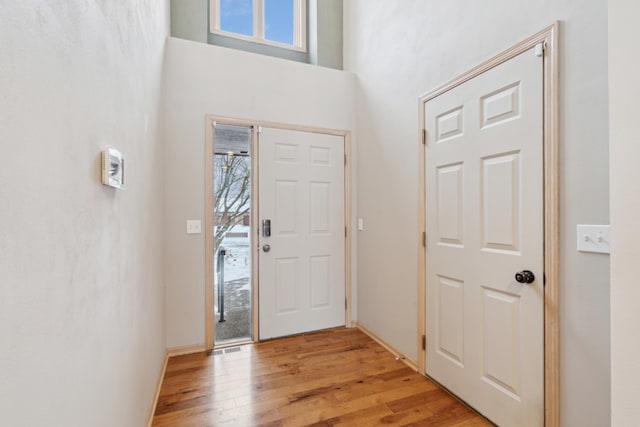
(203, 79)
(82, 337)
(400, 50)
(624, 106)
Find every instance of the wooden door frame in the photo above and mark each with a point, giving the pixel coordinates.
(210, 121)
(549, 37)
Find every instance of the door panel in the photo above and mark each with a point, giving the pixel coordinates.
(450, 337)
(501, 313)
(450, 204)
(285, 221)
(320, 273)
(501, 202)
(484, 222)
(301, 190)
(286, 280)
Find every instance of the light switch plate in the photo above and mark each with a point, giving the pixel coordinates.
(360, 224)
(194, 226)
(594, 238)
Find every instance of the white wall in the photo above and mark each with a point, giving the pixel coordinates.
(624, 107)
(203, 79)
(400, 50)
(81, 284)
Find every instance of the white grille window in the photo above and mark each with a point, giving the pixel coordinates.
(279, 23)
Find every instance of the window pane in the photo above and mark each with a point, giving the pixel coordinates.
(278, 21)
(236, 16)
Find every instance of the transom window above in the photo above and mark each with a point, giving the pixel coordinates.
(274, 22)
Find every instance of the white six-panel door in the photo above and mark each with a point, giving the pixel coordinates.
(484, 213)
(302, 270)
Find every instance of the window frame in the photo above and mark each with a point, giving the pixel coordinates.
(299, 25)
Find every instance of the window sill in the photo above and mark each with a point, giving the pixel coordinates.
(258, 41)
(270, 49)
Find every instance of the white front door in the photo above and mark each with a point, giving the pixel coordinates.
(302, 261)
(484, 205)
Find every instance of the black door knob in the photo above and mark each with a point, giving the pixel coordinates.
(525, 276)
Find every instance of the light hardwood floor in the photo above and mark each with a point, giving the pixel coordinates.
(328, 378)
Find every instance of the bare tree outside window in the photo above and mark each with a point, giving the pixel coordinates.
(232, 189)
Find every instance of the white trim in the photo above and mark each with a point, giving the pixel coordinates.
(258, 19)
(299, 25)
(214, 15)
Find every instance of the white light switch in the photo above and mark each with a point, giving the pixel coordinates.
(360, 224)
(594, 238)
(194, 226)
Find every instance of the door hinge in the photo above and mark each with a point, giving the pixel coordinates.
(540, 48)
(424, 342)
(259, 129)
(345, 303)
(345, 232)
(424, 136)
(345, 160)
(424, 239)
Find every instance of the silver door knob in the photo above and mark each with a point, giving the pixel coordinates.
(525, 276)
(266, 248)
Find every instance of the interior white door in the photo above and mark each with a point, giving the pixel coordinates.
(302, 261)
(484, 213)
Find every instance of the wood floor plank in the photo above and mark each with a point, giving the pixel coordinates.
(329, 378)
(364, 417)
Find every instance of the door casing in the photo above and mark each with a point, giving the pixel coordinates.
(210, 121)
(549, 37)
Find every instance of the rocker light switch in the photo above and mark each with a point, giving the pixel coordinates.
(194, 226)
(594, 238)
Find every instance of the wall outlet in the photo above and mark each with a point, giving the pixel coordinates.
(594, 238)
(194, 226)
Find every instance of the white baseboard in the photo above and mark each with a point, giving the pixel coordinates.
(410, 363)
